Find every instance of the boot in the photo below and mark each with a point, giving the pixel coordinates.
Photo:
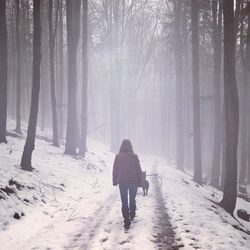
(132, 216)
(126, 224)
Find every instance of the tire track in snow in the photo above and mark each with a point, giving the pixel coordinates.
(102, 230)
(90, 236)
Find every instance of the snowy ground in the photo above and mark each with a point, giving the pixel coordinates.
(70, 203)
(199, 223)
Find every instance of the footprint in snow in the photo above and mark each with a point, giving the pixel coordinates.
(107, 230)
(123, 242)
(194, 239)
(104, 239)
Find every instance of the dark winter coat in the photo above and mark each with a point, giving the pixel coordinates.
(127, 169)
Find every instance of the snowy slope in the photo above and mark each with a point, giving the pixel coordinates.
(198, 222)
(52, 197)
(67, 203)
(70, 203)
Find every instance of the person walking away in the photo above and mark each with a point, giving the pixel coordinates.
(127, 173)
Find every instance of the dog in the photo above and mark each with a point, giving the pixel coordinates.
(144, 183)
(243, 214)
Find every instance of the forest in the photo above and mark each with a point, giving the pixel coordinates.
(173, 76)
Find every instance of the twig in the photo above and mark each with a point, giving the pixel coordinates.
(72, 216)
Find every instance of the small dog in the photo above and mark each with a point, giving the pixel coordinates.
(243, 214)
(144, 183)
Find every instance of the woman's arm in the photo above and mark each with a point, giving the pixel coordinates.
(115, 172)
(139, 177)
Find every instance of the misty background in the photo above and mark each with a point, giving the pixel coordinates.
(171, 76)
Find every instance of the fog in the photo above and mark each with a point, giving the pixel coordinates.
(150, 71)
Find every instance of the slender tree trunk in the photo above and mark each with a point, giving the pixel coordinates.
(196, 93)
(61, 72)
(215, 175)
(3, 72)
(18, 72)
(114, 18)
(231, 109)
(52, 34)
(11, 64)
(23, 44)
(73, 23)
(27, 64)
(44, 65)
(179, 85)
(243, 128)
(223, 148)
(245, 158)
(30, 140)
(82, 149)
(186, 86)
(248, 77)
(163, 55)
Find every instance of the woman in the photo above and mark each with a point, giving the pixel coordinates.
(127, 173)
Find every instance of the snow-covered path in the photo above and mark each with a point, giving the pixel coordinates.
(70, 203)
(151, 228)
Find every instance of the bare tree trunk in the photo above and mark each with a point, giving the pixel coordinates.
(186, 87)
(179, 85)
(31, 134)
(231, 109)
(23, 45)
(114, 19)
(243, 129)
(215, 173)
(11, 64)
(61, 72)
(52, 35)
(245, 159)
(3, 71)
(18, 72)
(248, 77)
(196, 93)
(44, 65)
(73, 23)
(27, 64)
(163, 99)
(82, 148)
(223, 148)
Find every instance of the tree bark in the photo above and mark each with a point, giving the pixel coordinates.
(73, 23)
(61, 72)
(245, 148)
(82, 149)
(215, 173)
(115, 74)
(179, 86)
(11, 64)
(248, 76)
(44, 65)
(3, 72)
(231, 109)
(196, 93)
(18, 72)
(30, 140)
(52, 35)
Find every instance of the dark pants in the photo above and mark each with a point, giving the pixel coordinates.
(128, 209)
